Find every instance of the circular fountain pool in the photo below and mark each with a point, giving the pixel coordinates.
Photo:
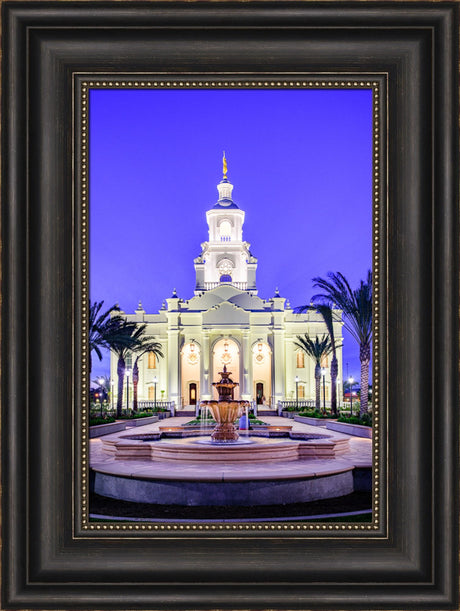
(202, 449)
(255, 471)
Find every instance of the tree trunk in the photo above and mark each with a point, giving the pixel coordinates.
(365, 358)
(135, 383)
(121, 376)
(318, 387)
(334, 372)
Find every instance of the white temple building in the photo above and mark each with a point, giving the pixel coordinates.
(227, 323)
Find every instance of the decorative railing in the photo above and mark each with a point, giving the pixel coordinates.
(302, 403)
(155, 405)
(239, 285)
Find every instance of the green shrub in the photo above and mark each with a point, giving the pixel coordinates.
(366, 420)
(316, 414)
(95, 421)
(135, 415)
(198, 421)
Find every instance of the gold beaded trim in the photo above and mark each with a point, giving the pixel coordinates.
(142, 82)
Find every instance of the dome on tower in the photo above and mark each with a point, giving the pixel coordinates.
(226, 203)
(225, 189)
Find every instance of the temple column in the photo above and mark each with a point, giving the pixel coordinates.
(278, 365)
(173, 366)
(290, 371)
(246, 381)
(205, 359)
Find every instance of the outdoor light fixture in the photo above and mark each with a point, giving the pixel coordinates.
(323, 373)
(351, 382)
(101, 394)
(128, 373)
(155, 381)
(297, 392)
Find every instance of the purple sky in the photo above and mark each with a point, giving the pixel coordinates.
(301, 165)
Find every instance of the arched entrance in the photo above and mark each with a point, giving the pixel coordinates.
(262, 372)
(226, 352)
(192, 393)
(260, 393)
(190, 373)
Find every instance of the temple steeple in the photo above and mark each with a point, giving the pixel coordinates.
(225, 188)
(225, 258)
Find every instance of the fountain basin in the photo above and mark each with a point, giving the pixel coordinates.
(192, 449)
(243, 484)
(142, 468)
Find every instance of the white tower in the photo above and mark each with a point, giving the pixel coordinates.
(225, 258)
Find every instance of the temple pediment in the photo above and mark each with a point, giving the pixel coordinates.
(226, 314)
(247, 301)
(204, 302)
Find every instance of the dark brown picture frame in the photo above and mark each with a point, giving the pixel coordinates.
(48, 560)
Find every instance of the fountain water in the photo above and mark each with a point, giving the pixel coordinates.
(226, 410)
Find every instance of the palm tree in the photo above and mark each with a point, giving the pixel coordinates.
(317, 350)
(328, 316)
(145, 345)
(356, 306)
(101, 328)
(127, 339)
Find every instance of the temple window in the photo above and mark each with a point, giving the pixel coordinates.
(300, 360)
(225, 271)
(225, 231)
(152, 361)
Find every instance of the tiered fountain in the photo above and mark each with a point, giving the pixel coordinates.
(150, 467)
(226, 410)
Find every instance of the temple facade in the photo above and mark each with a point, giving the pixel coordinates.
(225, 322)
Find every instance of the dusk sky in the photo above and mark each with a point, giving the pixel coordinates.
(301, 165)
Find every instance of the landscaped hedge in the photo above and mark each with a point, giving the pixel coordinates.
(199, 420)
(316, 414)
(365, 420)
(135, 415)
(95, 421)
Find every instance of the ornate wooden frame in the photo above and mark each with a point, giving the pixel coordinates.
(49, 560)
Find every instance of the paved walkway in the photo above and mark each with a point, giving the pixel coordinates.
(360, 454)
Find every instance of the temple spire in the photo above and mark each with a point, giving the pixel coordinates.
(224, 164)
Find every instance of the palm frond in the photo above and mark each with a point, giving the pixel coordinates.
(317, 349)
(148, 345)
(356, 305)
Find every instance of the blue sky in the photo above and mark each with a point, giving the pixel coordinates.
(301, 165)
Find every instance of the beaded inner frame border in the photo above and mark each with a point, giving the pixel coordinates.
(82, 84)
